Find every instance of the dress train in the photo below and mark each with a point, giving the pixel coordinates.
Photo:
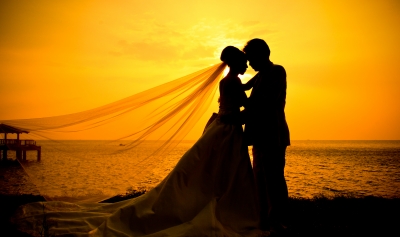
(210, 192)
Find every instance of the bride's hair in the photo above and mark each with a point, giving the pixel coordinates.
(230, 55)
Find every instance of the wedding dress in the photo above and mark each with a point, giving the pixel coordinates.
(210, 192)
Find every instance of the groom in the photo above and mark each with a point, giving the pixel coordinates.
(266, 129)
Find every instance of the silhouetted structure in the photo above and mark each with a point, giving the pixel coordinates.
(19, 146)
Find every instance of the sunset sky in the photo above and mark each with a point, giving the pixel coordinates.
(342, 57)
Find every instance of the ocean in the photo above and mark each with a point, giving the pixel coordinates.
(87, 168)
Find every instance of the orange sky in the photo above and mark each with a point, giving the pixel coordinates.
(342, 57)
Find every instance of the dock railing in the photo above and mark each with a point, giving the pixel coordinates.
(17, 142)
(20, 147)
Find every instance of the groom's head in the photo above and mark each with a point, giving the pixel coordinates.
(257, 52)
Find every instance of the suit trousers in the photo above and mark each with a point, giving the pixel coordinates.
(272, 191)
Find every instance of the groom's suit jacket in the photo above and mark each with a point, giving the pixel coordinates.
(264, 113)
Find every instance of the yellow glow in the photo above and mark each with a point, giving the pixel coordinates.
(341, 57)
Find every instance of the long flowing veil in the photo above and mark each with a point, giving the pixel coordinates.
(143, 130)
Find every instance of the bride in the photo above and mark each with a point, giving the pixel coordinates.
(210, 192)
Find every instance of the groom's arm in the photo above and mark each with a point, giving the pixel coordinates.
(270, 90)
(260, 105)
(248, 85)
(273, 89)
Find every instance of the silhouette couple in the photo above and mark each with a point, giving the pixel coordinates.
(213, 190)
(265, 124)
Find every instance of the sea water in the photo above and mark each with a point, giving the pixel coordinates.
(84, 168)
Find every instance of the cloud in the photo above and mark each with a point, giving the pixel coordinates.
(151, 40)
(148, 50)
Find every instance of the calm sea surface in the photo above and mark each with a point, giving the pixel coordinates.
(79, 168)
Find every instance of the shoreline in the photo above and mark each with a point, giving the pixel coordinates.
(318, 216)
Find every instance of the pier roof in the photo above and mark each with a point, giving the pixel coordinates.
(9, 129)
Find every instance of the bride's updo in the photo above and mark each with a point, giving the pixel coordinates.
(232, 55)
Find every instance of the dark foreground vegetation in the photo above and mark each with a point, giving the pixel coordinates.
(320, 216)
(344, 216)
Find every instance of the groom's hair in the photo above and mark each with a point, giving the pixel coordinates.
(257, 46)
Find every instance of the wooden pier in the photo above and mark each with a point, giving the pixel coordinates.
(19, 146)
